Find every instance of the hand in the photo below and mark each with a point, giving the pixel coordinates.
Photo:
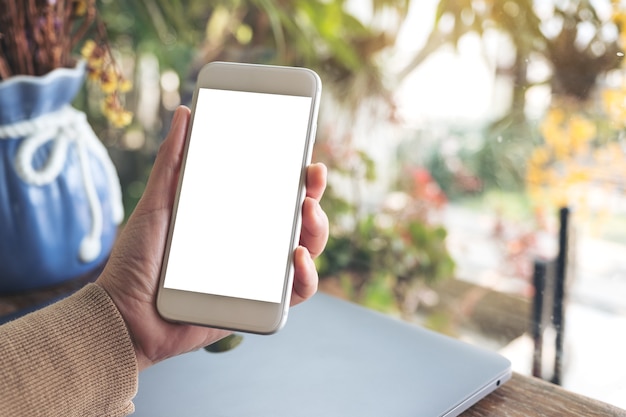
(131, 276)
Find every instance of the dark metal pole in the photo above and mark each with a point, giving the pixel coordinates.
(558, 317)
(539, 284)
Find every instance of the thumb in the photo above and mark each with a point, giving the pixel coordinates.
(160, 189)
(143, 236)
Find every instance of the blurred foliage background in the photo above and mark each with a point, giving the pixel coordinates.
(387, 238)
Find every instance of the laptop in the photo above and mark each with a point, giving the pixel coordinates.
(333, 358)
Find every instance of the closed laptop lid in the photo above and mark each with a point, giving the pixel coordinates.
(333, 358)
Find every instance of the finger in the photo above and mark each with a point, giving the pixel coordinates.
(305, 276)
(153, 211)
(316, 180)
(160, 189)
(315, 227)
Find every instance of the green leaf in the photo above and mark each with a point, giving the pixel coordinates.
(224, 345)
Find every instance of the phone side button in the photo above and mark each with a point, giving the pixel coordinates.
(314, 132)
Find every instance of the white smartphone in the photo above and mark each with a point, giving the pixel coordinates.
(236, 221)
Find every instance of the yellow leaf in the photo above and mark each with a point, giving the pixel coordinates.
(540, 156)
(582, 131)
(88, 48)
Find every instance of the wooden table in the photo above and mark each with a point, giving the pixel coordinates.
(527, 396)
(521, 396)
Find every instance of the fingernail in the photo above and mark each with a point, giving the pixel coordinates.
(177, 116)
(309, 258)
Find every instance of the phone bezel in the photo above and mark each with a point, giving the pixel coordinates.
(228, 312)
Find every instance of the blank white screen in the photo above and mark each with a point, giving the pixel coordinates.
(234, 221)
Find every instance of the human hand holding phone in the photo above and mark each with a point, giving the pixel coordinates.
(131, 276)
(242, 184)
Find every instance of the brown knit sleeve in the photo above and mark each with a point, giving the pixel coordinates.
(73, 358)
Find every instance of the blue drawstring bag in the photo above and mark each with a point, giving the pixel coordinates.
(60, 197)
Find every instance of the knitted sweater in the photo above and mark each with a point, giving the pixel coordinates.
(73, 358)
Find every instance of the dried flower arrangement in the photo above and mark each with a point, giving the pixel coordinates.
(38, 36)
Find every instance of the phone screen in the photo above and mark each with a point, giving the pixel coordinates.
(233, 226)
